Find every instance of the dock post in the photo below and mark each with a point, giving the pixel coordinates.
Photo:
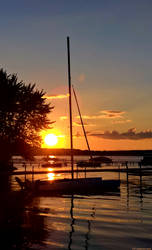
(119, 171)
(77, 171)
(24, 165)
(85, 172)
(127, 184)
(139, 163)
(127, 170)
(140, 182)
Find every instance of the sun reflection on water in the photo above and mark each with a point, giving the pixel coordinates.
(50, 169)
(51, 176)
(51, 156)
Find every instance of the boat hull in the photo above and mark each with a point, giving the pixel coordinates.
(87, 164)
(82, 185)
(51, 165)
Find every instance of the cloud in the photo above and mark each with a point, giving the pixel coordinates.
(78, 134)
(51, 97)
(62, 118)
(112, 113)
(105, 114)
(81, 78)
(121, 121)
(88, 117)
(78, 124)
(131, 134)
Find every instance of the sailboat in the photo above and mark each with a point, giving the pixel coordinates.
(73, 185)
(93, 161)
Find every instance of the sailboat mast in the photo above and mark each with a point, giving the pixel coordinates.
(70, 104)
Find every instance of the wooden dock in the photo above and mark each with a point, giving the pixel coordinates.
(128, 170)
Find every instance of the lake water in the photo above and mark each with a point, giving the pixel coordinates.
(117, 220)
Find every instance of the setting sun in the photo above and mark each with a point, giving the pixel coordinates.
(51, 139)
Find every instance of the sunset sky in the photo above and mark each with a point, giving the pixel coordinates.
(111, 65)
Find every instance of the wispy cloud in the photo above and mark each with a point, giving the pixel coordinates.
(112, 113)
(62, 118)
(90, 117)
(108, 114)
(78, 124)
(105, 114)
(78, 134)
(51, 97)
(131, 134)
(121, 121)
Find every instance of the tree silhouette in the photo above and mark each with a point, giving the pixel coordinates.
(23, 113)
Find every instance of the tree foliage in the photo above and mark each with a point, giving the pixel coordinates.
(23, 113)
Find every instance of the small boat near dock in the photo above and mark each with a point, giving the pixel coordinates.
(52, 165)
(85, 164)
(94, 162)
(69, 186)
(101, 159)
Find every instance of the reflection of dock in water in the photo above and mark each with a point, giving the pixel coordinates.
(73, 220)
(72, 223)
(136, 183)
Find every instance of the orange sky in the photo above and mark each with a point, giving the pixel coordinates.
(111, 65)
(99, 139)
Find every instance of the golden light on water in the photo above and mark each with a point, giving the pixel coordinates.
(51, 156)
(51, 176)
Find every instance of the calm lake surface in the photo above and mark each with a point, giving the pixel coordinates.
(117, 220)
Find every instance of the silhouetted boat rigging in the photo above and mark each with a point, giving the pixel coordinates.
(73, 185)
(93, 161)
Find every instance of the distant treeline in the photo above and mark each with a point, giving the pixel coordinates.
(46, 151)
